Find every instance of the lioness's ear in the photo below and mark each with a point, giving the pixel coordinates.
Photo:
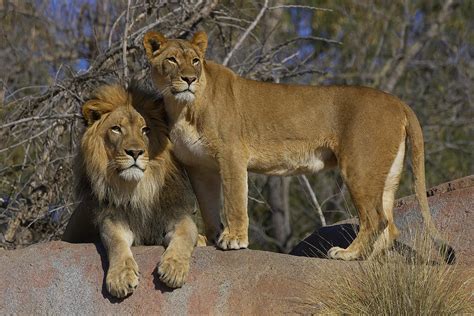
(200, 40)
(92, 110)
(153, 41)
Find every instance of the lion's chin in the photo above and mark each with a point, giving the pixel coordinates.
(185, 96)
(131, 174)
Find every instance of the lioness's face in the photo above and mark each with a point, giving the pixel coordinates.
(124, 135)
(176, 65)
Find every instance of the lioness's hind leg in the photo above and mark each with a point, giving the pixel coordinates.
(366, 192)
(173, 268)
(390, 234)
(360, 246)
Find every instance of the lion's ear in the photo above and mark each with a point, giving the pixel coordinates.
(200, 40)
(92, 110)
(153, 42)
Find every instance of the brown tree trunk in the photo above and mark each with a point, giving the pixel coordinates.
(278, 200)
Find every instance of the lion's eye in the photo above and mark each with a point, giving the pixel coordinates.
(146, 130)
(116, 129)
(195, 61)
(172, 60)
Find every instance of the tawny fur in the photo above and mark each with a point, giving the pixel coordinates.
(152, 206)
(226, 126)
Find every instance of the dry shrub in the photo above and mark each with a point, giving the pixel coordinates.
(393, 285)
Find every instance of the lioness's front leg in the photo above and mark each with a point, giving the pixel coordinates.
(182, 237)
(122, 275)
(236, 222)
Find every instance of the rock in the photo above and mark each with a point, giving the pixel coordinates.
(452, 208)
(62, 278)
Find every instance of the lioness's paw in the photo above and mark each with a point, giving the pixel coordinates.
(343, 254)
(232, 241)
(173, 270)
(122, 278)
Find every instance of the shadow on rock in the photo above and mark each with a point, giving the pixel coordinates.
(158, 284)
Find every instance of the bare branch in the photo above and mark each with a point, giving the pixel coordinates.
(246, 33)
(124, 44)
(290, 6)
(112, 29)
(393, 71)
(40, 118)
(304, 181)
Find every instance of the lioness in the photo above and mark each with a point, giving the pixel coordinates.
(223, 125)
(130, 189)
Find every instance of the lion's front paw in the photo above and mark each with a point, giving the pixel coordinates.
(173, 270)
(122, 278)
(343, 254)
(233, 241)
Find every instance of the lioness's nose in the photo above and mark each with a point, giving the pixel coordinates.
(134, 153)
(189, 80)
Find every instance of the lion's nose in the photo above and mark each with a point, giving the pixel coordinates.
(134, 153)
(189, 80)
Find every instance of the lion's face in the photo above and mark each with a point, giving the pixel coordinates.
(177, 64)
(126, 143)
(122, 133)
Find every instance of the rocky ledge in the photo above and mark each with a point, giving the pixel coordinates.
(61, 278)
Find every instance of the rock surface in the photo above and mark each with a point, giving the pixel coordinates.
(452, 208)
(61, 278)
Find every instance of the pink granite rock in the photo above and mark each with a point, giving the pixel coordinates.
(61, 278)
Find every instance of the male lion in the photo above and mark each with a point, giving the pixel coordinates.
(223, 126)
(130, 189)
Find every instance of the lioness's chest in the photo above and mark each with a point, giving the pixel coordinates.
(190, 146)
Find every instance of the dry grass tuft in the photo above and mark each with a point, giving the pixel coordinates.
(394, 285)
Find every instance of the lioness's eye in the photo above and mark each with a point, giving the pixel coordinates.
(116, 129)
(146, 130)
(172, 60)
(195, 61)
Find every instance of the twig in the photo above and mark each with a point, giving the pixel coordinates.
(246, 33)
(40, 118)
(256, 200)
(393, 71)
(304, 181)
(9, 96)
(124, 44)
(28, 139)
(289, 6)
(112, 29)
(307, 38)
(302, 73)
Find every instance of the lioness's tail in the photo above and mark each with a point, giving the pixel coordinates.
(415, 135)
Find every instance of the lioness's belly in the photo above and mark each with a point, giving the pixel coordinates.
(291, 161)
(192, 149)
